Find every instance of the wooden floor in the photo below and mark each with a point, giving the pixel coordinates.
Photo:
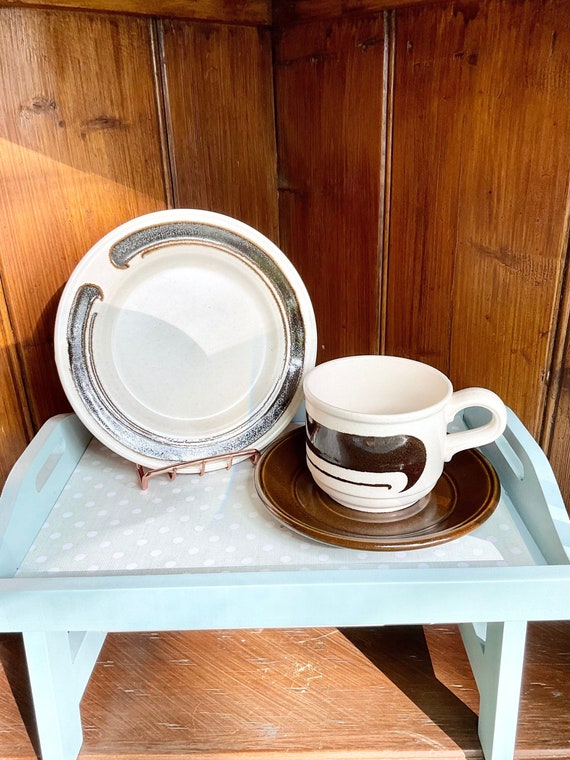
(294, 694)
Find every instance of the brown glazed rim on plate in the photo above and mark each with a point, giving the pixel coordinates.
(466, 494)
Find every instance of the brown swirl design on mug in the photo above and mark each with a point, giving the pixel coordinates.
(378, 454)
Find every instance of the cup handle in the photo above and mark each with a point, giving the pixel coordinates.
(479, 436)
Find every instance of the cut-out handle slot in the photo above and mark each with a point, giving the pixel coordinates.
(511, 457)
(48, 467)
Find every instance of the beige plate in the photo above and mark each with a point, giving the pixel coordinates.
(464, 497)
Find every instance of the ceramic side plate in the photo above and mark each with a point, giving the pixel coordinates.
(184, 334)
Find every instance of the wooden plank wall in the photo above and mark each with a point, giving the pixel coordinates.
(80, 152)
(103, 118)
(463, 253)
(417, 174)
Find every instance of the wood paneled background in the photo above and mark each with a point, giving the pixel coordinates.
(412, 159)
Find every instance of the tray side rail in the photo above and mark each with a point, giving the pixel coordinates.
(526, 475)
(34, 485)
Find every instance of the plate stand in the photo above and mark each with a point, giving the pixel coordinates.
(202, 464)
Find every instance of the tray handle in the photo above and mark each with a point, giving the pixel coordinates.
(528, 479)
(34, 484)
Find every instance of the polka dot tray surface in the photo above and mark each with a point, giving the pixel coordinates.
(104, 522)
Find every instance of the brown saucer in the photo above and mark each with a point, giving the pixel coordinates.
(464, 497)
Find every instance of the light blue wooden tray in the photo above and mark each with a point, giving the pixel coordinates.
(85, 552)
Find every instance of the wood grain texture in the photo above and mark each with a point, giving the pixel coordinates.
(79, 154)
(297, 11)
(15, 423)
(219, 86)
(479, 186)
(318, 694)
(329, 104)
(556, 445)
(256, 12)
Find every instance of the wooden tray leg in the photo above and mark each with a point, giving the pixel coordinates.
(59, 667)
(496, 653)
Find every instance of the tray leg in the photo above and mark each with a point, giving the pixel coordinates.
(59, 667)
(496, 653)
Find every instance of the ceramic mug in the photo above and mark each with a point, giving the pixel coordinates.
(376, 434)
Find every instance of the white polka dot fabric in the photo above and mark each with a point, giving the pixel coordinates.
(104, 523)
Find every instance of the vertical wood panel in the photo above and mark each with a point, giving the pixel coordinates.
(425, 157)
(15, 426)
(557, 429)
(329, 95)
(79, 154)
(480, 176)
(220, 106)
(558, 448)
(513, 191)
